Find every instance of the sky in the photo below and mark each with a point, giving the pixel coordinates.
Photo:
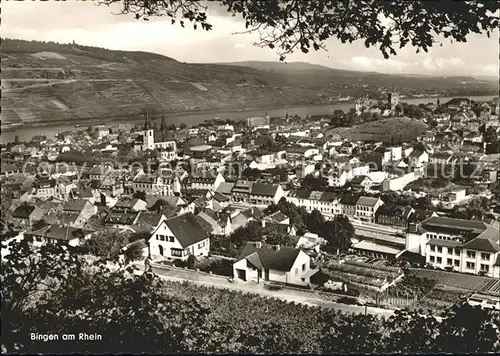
(86, 23)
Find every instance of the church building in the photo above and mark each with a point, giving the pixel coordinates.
(153, 139)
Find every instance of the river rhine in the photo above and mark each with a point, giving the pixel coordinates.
(26, 133)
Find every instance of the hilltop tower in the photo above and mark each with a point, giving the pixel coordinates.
(393, 100)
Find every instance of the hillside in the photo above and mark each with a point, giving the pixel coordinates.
(51, 82)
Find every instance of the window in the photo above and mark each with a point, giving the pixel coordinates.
(457, 252)
(485, 268)
(176, 252)
(439, 260)
(162, 238)
(433, 248)
(471, 265)
(171, 238)
(304, 267)
(439, 249)
(449, 262)
(485, 256)
(457, 263)
(471, 254)
(431, 259)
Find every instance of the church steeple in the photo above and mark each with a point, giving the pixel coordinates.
(146, 125)
(162, 126)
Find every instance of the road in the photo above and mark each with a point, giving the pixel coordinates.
(289, 295)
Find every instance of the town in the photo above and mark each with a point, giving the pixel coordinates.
(389, 205)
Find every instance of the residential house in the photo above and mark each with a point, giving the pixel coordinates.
(219, 222)
(265, 194)
(58, 234)
(155, 184)
(361, 182)
(327, 203)
(366, 208)
(441, 158)
(418, 158)
(271, 263)
(348, 204)
(207, 182)
(26, 215)
(82, 209)
(178, 237)
(51, 188)
(9, 169)
(394, 215)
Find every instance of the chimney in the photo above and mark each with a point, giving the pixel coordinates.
(263, 223)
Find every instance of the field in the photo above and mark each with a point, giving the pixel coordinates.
(455, 280)
(396, 128)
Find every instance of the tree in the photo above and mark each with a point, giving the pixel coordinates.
(135, 251)
(468, 329)
(183, 126)
(107, 244)
(338, 232)
(311, 182)
(38, 224)
(314, 221)
(354, 334)
(423, 203)
(305, 25)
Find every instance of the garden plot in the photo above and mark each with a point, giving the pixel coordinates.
(451, 279)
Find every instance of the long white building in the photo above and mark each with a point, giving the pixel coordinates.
(466, 246)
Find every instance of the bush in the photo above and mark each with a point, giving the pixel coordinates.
(135, 251)
(191, 262)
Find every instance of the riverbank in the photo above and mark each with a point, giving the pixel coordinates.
(51, 129)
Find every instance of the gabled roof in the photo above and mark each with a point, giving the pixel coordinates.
(220, 197)
(367, 201)
(59, 232)
(264, 189)
(359, 179)
(225, 188)
(349, 199)
(277, 216)
(487, 241)
(455, 224)
(75, 205)
(23, 211)
(268, 257)
(187, 229)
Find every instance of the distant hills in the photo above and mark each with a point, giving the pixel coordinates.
(46, 82)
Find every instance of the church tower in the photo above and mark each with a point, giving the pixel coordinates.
(148, 140)
(163, 127)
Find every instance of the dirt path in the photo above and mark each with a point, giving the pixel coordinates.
(289, 295)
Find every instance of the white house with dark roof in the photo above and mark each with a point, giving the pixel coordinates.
(178, 237)
(366, 207)
(58, 234)
(266, 194)
(467, 246)
(327, 203)
(261, 262)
